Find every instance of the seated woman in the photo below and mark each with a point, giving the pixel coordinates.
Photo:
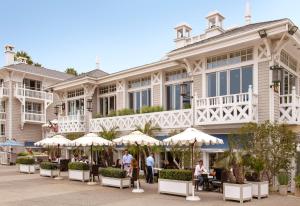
(133, 171)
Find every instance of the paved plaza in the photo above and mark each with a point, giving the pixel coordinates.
(32, 190)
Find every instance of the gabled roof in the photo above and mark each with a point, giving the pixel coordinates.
(42, 71)
(96, 73)
(230, 32)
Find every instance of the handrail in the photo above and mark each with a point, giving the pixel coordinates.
(21, 91)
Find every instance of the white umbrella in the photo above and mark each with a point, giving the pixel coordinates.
(137, 138)
(90, 140)
(192, 136)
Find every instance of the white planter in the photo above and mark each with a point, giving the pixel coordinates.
(48, 173)
(175, 187)
(238, 192)
(260, 189)
(115, 182)
(30, 169)
(81, 175)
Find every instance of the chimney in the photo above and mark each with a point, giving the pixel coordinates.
(248, 13)
(9, 54)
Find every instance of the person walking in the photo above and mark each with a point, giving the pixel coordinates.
(150, 166)
(133, 172)
(126, 160)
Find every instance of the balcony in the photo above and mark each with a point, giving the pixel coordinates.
(34, 117)
(22, 92)
(71, 123)
(289, 108)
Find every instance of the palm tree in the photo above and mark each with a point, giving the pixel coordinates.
(71, 71)
(24, 55)
(109, 135)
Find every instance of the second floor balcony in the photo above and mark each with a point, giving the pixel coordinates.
(22, 92)
(289, 108)
(31, 117)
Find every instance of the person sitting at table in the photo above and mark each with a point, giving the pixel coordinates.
(199, 171)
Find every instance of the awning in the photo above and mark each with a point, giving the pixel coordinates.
(217, 147)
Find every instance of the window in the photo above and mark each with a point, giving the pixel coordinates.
(2, 106)
(32, 84)
(288, 81)
(107, 89)
(76, 106)
(288, 60)
(75, 93)
(33, 107)
(138, 99)
(230, 58)
(2, 129)
(107, 105)
(232, 81)
(176, 75)
(174, 100)
(140, 82)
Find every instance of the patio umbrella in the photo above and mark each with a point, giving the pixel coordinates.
(11, 143)
(55, 141)
(192, 136)
(90, 140)
(137, 138)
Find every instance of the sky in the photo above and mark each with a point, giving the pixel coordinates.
(122, 33)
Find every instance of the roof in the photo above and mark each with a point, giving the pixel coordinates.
(96, 73)
(230, 32)
(40, 71)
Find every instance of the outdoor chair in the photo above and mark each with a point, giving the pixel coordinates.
(64, 165)
(217, 182)
(95, 172)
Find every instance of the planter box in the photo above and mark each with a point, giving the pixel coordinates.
(283, 189)
(81, 175)
(30, 169)
(297, 192)
(115, 182)
(238, 192)
(260, 189)
(48, 173)
(175, 187)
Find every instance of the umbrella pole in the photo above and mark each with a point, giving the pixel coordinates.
(193, 197)
(138, 189)
(91, 182)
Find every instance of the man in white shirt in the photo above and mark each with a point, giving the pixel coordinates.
(150, 166)
(126, 160)
(199, 170)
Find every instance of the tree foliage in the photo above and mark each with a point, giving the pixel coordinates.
(71, 71)
(28, 58)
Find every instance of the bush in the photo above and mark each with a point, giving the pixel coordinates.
(25, 161)
(125, 111)
(176, 174)
(297, 181)
(187, 106)
(48, 166)
(113, 172)
(22, 154)
(149, 109)
(283, 178)
(78, 166)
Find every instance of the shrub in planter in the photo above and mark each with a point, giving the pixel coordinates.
(297, 182)
(175, 174)
(25, 161)
(22, 154)
(149, 109)
(113, 172)
(283, 180)
(78, 166)
(125, 111)
(48, 166)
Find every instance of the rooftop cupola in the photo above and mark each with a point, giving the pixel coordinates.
(183, 32)
(9, 54)
(214, 24)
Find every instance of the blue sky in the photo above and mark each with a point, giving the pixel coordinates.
(123, 33)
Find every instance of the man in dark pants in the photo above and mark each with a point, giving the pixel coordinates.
(150, 165)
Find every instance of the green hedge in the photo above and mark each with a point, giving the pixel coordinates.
(149, 109)
(175, 174)
(112, 172)
(22, 154)
(48, 166)
(78, 166)
(25, 161)
(283, 178)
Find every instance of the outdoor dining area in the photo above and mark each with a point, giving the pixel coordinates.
(132, 171)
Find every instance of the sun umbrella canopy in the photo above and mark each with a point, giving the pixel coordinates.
(137, 137)
(91, 139)
(56, 140)
(190, 136)
(11, 143)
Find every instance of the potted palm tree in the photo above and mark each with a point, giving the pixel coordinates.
(283, 180)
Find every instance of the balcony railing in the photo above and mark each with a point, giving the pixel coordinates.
(34, 117)
(229, 109)
(21, 91)
(289, 108)
(71, 123)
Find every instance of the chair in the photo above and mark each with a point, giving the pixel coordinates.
(95, 172)
(218, 182)
(64, 165)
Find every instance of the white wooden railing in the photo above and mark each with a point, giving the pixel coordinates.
(71, 123)
(34, 117)
(289, 108)
(229, 109)
(21, 91)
